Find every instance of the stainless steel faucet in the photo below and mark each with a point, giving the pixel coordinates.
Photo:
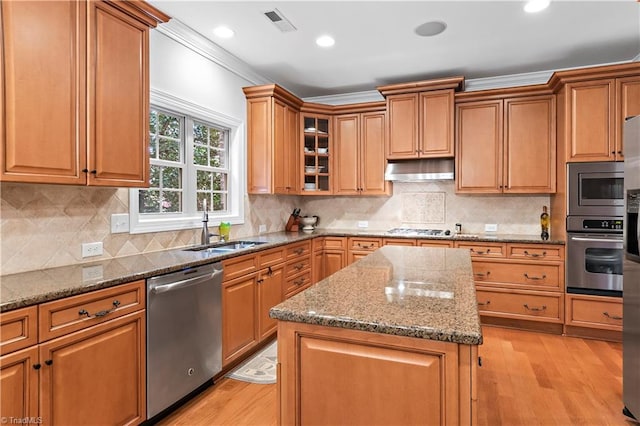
(205, 237)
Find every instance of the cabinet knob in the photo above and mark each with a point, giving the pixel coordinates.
(93, 172)
(37, 366)
(49, 362)
(613, 152)
(85, 170)
(620, 152)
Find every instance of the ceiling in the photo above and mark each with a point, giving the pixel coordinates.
(376, 43)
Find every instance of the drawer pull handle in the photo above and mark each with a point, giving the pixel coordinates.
(482, 274)
(298, 250)
(100, 314)
(613, 317)
(368, 246)
(299, 266)
(535, 309)
(526, 253)
(480, 252)
(299, 282)
(535, 278)
(269, 271)
(488, 302)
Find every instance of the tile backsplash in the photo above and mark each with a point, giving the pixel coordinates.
(43, 226)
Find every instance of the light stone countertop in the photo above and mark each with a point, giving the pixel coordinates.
(30, 288)
(408, 291)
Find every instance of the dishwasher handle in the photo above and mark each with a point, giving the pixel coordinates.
(185, 283)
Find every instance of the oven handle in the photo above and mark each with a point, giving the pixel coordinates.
(597, 240)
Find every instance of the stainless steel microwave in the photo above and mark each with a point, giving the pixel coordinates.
(595, 189)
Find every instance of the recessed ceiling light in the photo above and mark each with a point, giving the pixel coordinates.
(533, 6)
(223, 32)
(431, 28)
(325, 41)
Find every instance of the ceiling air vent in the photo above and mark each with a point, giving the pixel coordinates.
(280, 21)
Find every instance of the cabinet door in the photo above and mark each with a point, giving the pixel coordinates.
(270, 283)
(436, 124)
(347, 128)
(628, 105)
(402, 126)
(372, 159)
(19, 384)
(43, 113)
(239, 310)
(259, 148)
(285, 148)
(317, 266)
(479, 147)
(530, 145)
(334, 260)
(118, 82)
(590, 112)
(96, 373)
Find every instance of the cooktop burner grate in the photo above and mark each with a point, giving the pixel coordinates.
(411, 231)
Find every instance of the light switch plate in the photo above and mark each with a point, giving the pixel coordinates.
(92, 249)
(119, 223)
(491, 227)
(262, 228)
(91, 273)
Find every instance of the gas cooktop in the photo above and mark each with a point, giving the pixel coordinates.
(418, 232)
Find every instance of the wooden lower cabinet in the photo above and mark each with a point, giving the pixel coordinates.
(239, 317)
(361, 247)
(94, 373)
(19, 384)
(598, 317)
(398, 242)
(520, 304)
(270, 284)
(97, 373)
(338, 376)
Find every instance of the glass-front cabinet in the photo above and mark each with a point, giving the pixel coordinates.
(316, 154)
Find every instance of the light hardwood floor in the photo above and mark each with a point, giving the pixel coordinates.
(526, 378)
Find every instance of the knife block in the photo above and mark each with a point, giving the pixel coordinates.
(293, 224)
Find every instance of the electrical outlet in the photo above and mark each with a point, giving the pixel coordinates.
(363, 224)
(91, 249)
(491, 227)
(262, 228)
(119, 223)
(91, 273)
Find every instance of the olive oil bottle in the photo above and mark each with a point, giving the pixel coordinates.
(544, 223)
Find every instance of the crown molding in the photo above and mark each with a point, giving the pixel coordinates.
(347, 98)
(181, 33)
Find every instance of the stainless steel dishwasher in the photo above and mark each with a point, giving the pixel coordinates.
(184, 333)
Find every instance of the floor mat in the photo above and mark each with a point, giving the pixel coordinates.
(260, 368)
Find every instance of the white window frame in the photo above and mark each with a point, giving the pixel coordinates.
(143, 223)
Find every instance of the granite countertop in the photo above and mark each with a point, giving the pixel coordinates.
(30, 288)
(408, 291)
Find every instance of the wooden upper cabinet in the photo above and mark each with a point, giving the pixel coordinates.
(506, 146)
(530, 145)
(272, 140)
(76, 101)
(479, 147)
(590, 112)
(402, 127)
(420, 125)
(360, 160)
(628, 105)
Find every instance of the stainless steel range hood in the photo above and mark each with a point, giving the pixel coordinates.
(420, 170)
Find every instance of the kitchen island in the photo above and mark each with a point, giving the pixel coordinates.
(390, 339)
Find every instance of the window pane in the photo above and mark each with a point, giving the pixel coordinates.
(203, 180)
(153, 121)
(168, 126)
(200, 133)
(169, 149)
(154, 176)
(200, 155)
(219, 202)
(200, 197)
(149, 201)
(153, 147)
(218, 159)
(171, 201)
(215, 138)
(171, 177)
(219, 181)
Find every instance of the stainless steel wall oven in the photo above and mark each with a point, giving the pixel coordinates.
(595, 208)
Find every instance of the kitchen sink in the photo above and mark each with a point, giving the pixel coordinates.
(227, 247)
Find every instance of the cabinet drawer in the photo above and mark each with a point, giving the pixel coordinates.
(297, 266)
(294, 251)
(18, 329)
(239, 266)
(78, 312)
(535, 252)
(537, 276)
(297, 283)
(399, 242)
(334, 243)
(521, 304)
(484, 249)
(435, 243)
(271, 257)
(594, 311)
(365, 244)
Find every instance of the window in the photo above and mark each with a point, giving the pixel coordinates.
(195, 155)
